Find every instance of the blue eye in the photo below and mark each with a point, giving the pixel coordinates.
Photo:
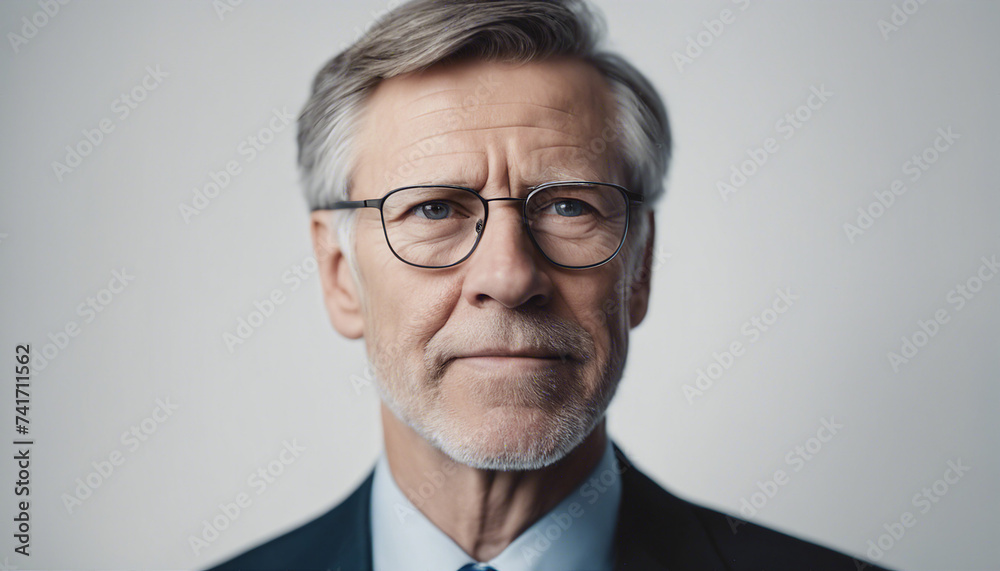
(432, 210)
(569, 208)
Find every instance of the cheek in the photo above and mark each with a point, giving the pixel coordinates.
(403, 306)
(381, 275)
(598, 303)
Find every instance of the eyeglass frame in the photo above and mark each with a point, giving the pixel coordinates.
(632, 199)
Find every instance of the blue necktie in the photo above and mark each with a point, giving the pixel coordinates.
(477, 567)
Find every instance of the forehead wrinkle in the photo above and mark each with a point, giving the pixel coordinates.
(442, 168)
(432, 155)
(492, 114)
(536, 169)
(472, 129)
(432, 93)
(431, 128)
(469, 140)
(428, 134)
(478, 105)
(437, 158)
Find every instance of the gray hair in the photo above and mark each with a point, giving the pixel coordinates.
(423, 33)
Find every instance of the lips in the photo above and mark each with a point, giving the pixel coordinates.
(530, 354)
(509, 339)
(504, 358)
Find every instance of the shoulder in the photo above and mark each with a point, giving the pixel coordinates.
(659, 530)
(340, 538)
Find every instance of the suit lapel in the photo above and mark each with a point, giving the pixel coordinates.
(656, 530)
(355, 549)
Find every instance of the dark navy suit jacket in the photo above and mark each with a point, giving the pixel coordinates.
(656, 531)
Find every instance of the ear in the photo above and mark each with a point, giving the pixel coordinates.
(340, 293)
(638, 301)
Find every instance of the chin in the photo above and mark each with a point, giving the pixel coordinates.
(503, 422)
(510, 438)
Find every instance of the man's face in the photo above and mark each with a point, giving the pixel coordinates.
(504, 361)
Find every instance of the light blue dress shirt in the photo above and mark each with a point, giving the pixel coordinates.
(577, 535)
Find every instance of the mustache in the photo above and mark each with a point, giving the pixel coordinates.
(516, 331)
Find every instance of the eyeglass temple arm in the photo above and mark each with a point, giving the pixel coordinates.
(352, 204)
(633, 196)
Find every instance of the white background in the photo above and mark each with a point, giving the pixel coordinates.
(162, 337)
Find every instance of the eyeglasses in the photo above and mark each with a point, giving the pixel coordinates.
(574, 224)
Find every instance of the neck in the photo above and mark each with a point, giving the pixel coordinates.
(482, 511)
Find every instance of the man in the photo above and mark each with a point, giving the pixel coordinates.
(481, 179)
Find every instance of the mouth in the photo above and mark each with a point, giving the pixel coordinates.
(502, 359)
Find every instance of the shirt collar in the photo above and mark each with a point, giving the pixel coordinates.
(576, 535)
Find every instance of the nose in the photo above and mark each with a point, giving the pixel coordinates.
(506, 268)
